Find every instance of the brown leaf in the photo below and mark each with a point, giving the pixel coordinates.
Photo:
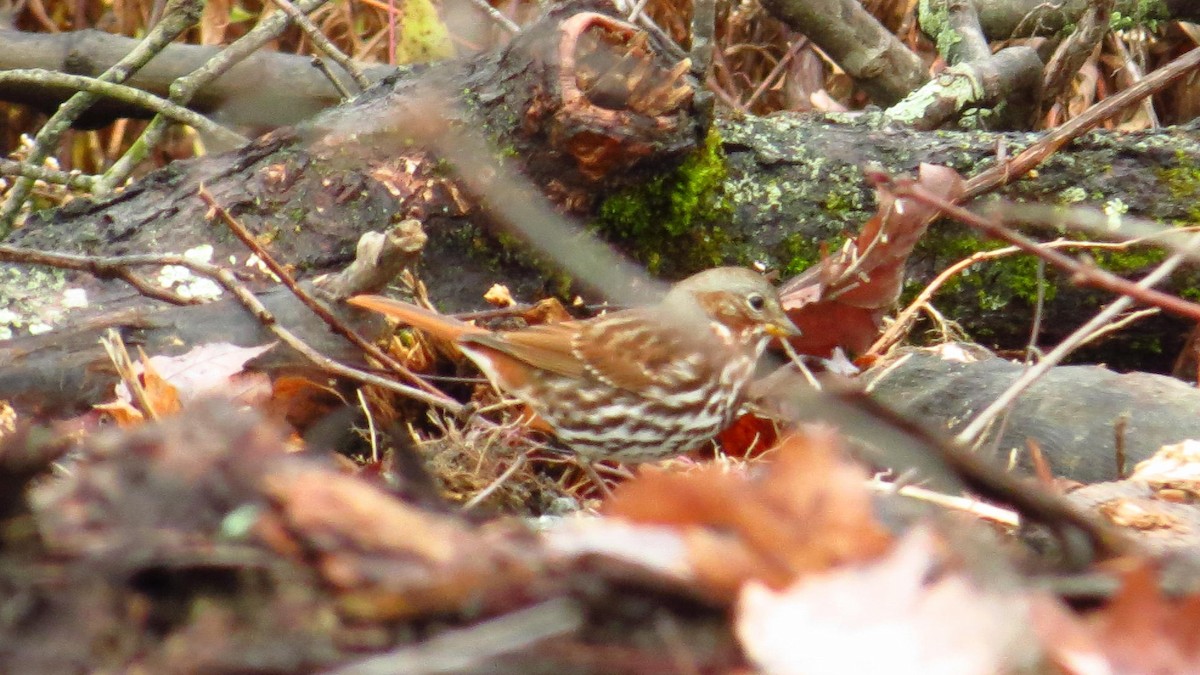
(301, 401)
(841, 302)
(334, 511)
(901, 614)
(1141, 631)
(809, 511)
(748, 436)
(499, 295)
(121, 412)
(549, 310)
(160, 394)
(216, 368)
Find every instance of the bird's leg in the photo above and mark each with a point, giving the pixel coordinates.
(594, 475)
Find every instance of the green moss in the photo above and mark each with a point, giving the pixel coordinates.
(798, 253)
(991, 284)
(1073, 195)
(1183, 182)
(672, 222)
(838, 203)
(1146, 13)
(1135, 259)
(1144, 344)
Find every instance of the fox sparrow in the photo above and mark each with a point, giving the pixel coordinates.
(635, 385)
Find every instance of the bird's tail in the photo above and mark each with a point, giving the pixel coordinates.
(435, 324)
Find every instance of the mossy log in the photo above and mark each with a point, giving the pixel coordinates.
(631, 156)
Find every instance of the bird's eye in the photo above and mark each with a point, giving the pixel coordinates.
(756, 301)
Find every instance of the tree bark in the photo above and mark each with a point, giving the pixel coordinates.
(1005, 19)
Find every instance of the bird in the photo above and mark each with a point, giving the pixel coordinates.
(635, 385)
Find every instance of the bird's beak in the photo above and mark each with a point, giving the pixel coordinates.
(782, 327)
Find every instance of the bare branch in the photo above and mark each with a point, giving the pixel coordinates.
(180, 15)
(877, 60)
(323, 45)
(185, 87)
(129, 95)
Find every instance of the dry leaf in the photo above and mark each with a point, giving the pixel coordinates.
(895, 616)
(808, 512)
(549, 310)
(499, 296)
(1141, 631)
(842, 300)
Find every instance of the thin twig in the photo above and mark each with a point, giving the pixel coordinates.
(904, 320)
(71, 179)
(1075, 51)
(323, 44)
(320, 64)
(945, 463)
(514, 204)
(1066, 346)
(1110, 226)
(673, 50)
(1039, 307)
(1131, 73)
(252, 303)
(336, 324)
(183, 89)
(1035, 154)
(1142, 291)
(1083, 274)
(776, 71)
(798, 361)
(111, 267)
(374, 436)
(497, 16)
(118, 267)
(179, 16)
(130, 95)
(495, 485)
(1119, 324)
(968, 505)
(636, 11)
(114, 346)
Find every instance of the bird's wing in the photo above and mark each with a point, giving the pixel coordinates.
(632, 350)
(547, 347)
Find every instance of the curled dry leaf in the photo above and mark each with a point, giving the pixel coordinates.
(1157, 503)
(841, 301)
(161, 396)
(807, 512)
(499, 295)
(172, 381)
(302, 401)
(549, 310)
